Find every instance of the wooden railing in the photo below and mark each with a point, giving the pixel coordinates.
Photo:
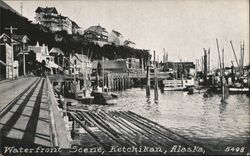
(59, 133)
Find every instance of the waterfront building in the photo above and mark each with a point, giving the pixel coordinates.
(8, 57)
(179, 67)
(113, 66)
(115, 38)
(23, 40)
(80, 64)
(49, 17)
(133, 65)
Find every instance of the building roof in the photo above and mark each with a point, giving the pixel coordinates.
(80, 57)
(98, 29)
(46, 10)
(75, 25)
(117, 66)
(21, 38)
(39, 49)
(6, 39)
(56, 51)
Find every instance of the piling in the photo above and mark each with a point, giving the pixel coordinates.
(156, 80)
(148, 79)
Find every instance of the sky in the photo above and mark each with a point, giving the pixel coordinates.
(182, 27)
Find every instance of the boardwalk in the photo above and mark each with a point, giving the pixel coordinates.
(25, 120)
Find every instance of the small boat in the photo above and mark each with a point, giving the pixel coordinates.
(104, 98)
(192, 90)
(238, 90)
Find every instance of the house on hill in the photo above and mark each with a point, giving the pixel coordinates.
(49, 17)
(115, 38)
(97, 34)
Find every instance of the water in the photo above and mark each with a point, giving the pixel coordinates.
(191, 115)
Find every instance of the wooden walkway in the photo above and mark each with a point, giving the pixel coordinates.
(29, 117)
(25, 120)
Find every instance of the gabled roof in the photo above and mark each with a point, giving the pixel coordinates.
(75, 25)
(6, 39)
(80, 57)
(46, 10)
(56, 51)
(21, 38)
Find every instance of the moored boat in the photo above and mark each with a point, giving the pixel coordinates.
(103, 98)
(238, 90)
(177, 85)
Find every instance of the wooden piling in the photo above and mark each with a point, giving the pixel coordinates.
(156, 80)
(148, 79)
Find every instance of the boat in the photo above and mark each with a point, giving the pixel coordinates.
(177, 85)
(192, 90)
(238, 90)
(104, 98)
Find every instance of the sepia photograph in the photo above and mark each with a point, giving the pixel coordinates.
(124, 77)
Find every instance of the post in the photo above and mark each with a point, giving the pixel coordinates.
(222, 77)
(103, 74)
(148, 78)
(243, 58)
(205, 66)
(156, 80)
(24, 72)
(208, 60)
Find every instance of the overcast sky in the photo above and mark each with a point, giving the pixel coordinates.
(182, 27)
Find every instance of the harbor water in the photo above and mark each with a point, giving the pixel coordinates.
(191, 115)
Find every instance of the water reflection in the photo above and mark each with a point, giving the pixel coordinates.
(192, 115)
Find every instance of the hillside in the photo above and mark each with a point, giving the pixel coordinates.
(67, 43)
